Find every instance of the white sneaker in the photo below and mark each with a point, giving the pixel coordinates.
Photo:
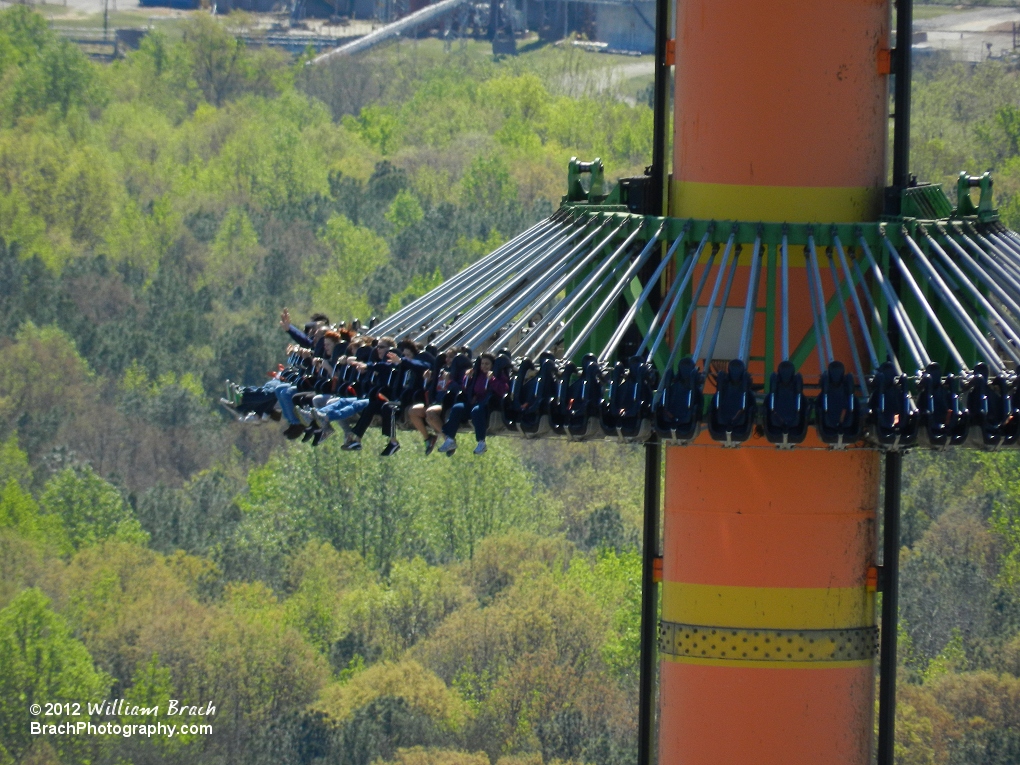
(480, 449)
(448, 444)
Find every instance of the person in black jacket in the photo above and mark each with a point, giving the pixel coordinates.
(407, 383)
(378, 378)
(317, 324)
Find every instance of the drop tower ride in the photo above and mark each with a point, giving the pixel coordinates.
(768, 619)
(781, 319)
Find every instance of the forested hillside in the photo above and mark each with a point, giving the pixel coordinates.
(156, 214)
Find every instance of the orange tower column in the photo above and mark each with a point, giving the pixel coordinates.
(781, 115)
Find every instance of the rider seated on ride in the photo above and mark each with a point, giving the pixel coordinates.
(435, 381)
(447, 390)
(480, 387)
(341, 403)
(406, 383)
(326, 363)
(316, 378)
(374, 385)
(259, 402)
(308, 338)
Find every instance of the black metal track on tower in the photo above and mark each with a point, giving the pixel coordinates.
(894, 460)
(649, 606)
(660, 104)
(890, 608)
(901, 97)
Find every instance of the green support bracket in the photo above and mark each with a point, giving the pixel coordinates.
(925, 202)
(575, 189)
(984, 210)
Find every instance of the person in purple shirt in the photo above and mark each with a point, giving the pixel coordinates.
(480, 390)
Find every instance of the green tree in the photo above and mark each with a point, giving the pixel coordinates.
(221, 64)
(383, 619)
(614, 581)
(14, 463)
(42, 360)
(158, 73)
(234, 254)
(23, 33)
(381, 509)
(405, 210)
(407, 680)
(418, 755)
(999, 473)
(59, 76)
(151, 688)
(42, 663)
(20, 512)
(249, 661)
(419, 286)
(487, 184)
(914, 733)
(528, 663)
(379, 126)
(318, 577)
(354, 253)
(90, 508)
(198, 517)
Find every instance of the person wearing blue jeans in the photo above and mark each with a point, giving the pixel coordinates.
(337, 409)
(342, 408)
(285, 395)
(479, 419)
(479, 389)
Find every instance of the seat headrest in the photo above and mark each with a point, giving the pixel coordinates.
(836, 371)
(786, 371)
(686, 369)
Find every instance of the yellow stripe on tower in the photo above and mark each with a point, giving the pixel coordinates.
(784, 608)
(778, 204)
